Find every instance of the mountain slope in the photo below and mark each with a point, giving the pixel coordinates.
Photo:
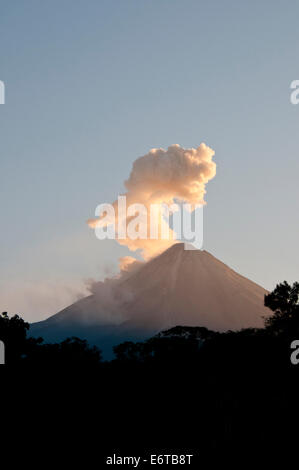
(178, 287)
(192, 287)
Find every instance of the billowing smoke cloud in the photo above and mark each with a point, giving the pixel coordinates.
(128, 264)
(164, 177)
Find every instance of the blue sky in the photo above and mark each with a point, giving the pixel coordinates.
(92, 85)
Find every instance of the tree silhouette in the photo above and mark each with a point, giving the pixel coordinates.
(71, 351)
(13, 333)
(19, 348)
(284, 302)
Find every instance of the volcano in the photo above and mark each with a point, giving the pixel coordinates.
(178, 287)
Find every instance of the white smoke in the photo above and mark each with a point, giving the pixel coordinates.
(163, 177)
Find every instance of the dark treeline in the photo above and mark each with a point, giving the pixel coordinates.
(180, 346)
(210, 391)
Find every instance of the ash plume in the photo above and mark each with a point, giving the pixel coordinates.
(164, 177)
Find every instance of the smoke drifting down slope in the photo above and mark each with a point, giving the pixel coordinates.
(178, 287)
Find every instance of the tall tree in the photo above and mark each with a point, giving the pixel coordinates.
(284, 302)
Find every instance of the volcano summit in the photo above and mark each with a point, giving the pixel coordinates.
(178, 287)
